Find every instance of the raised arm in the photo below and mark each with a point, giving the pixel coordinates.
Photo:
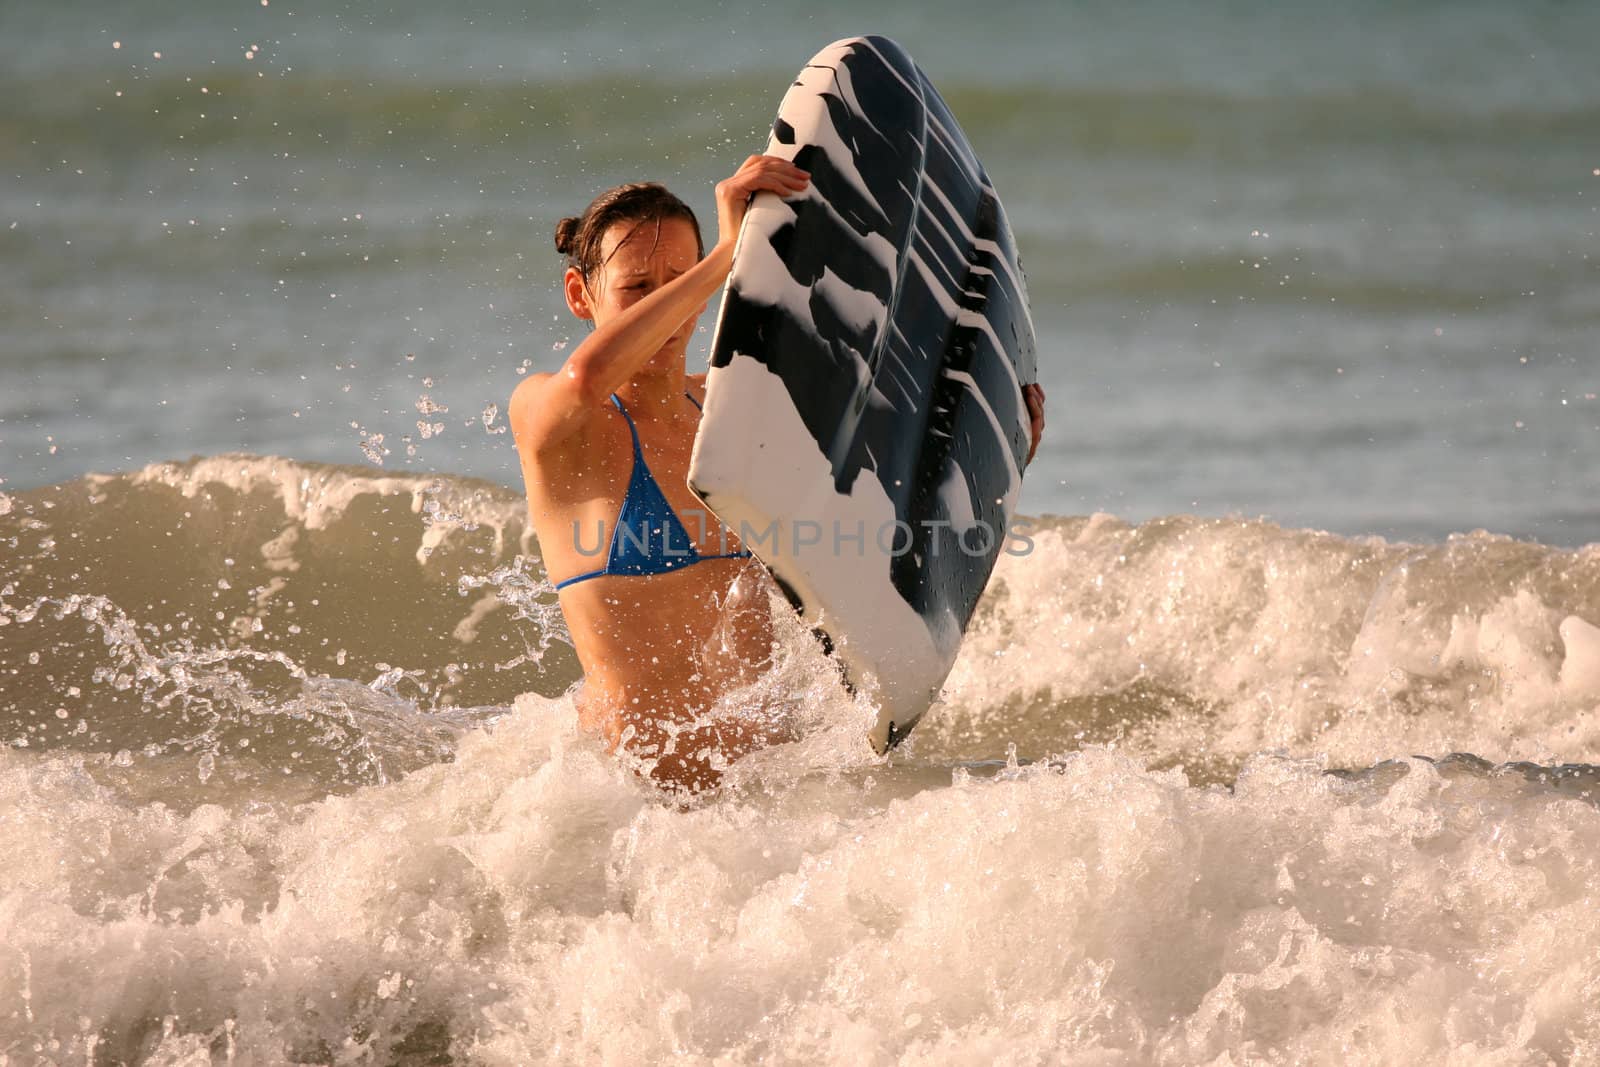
(546, 409)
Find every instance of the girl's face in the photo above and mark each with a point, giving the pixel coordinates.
(636, 259)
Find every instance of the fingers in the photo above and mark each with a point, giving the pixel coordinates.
(767, 163)
(758, 174)
(758, 169)
(763, 174)
(783, 185)
(770, 174)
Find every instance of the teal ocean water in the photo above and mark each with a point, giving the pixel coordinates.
(1333, 268)
(288, 764)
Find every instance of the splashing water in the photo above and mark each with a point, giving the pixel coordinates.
(372, 447)
(319, 796)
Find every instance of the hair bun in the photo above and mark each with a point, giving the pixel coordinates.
(567, 235)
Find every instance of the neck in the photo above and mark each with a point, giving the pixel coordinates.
(655, 394)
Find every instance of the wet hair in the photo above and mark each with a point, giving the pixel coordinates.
(578, 237)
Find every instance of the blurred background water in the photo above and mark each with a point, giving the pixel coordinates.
(1337, 268)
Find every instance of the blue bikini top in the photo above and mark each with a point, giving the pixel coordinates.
(649, 538)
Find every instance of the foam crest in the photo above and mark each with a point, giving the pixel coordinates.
(224, 596)
(1203, 641)
(314, 495)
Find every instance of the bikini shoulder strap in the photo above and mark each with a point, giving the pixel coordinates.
(617, 400)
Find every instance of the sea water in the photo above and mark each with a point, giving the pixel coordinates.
(1276, 747)
(291, 774)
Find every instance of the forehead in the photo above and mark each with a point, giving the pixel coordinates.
(636, 245)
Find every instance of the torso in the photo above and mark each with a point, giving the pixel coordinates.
(672, 642)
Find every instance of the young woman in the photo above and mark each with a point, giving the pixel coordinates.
(666, 609)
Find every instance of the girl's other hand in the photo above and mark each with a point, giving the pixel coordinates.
(1033, 395)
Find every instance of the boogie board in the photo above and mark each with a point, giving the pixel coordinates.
(864, 429)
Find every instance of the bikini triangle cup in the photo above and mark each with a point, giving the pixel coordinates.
(647, 520)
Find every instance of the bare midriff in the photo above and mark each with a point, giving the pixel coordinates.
(658, 651)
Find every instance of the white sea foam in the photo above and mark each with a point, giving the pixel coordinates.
(1204, 640)
(258, 851)
(530, 902)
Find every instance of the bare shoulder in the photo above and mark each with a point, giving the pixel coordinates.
(528, 397)
(529, 388)
(544, 415)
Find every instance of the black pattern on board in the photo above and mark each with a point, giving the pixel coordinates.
(925, 396)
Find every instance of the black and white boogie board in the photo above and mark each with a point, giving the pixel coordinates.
(864, 428)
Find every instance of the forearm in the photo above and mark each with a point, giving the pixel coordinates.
(615, 352)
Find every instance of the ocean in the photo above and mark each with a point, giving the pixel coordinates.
(1281, 745)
